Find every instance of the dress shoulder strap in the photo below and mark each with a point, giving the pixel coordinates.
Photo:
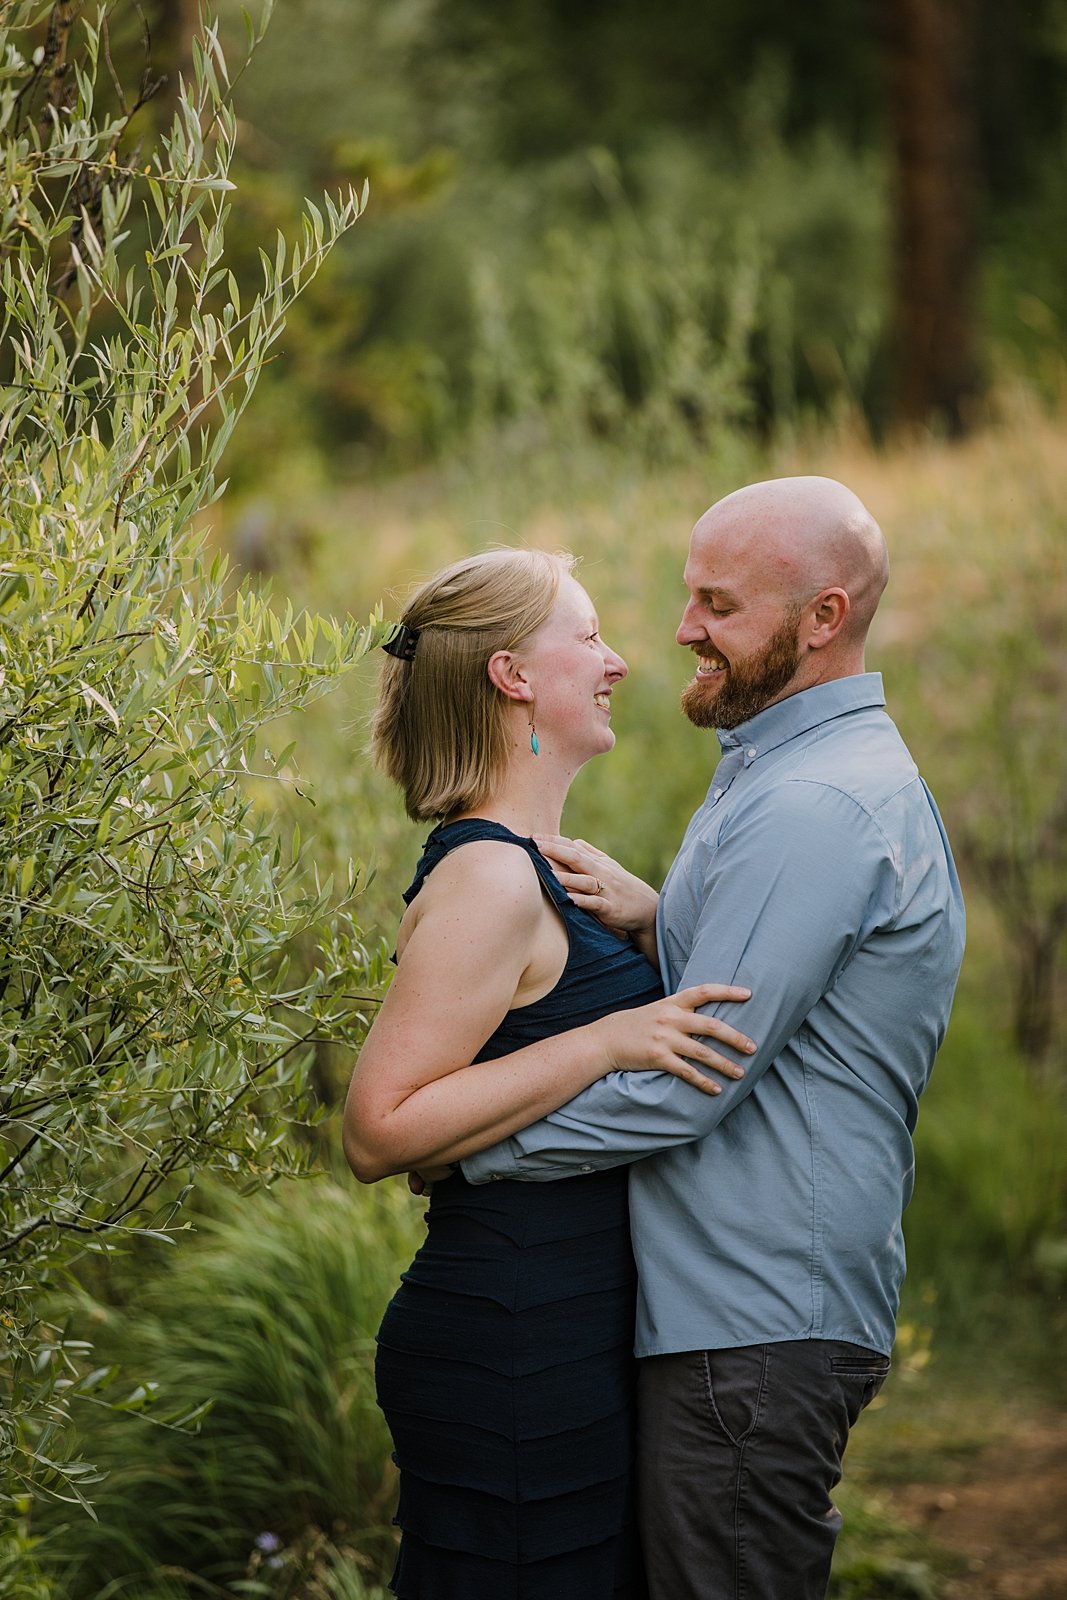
(445, 838)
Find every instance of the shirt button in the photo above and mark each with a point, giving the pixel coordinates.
(717, 795)
(587, 1169)
(751, 754)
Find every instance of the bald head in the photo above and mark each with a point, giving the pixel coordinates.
(804, 535)
(784, 578)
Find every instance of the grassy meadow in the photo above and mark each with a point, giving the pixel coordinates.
(569, 318)
(268, 1311)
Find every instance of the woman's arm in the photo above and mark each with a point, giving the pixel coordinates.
(418, 1099)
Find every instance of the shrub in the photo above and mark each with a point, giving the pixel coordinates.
(978, 661)
(149, 1027)
(270, 1317)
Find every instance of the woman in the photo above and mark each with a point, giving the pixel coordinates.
(504, 1360)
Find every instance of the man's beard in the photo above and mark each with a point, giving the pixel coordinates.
(750, 685)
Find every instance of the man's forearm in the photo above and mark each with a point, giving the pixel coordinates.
(756, 929)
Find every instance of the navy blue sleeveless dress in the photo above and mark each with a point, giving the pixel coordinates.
(505, 1366)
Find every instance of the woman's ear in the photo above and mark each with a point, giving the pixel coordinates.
(507, 675)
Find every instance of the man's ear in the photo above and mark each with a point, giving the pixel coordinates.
(507, 674)
(828, 614)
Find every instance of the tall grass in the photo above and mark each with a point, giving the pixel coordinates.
(270, 1316)
(270, 1312)
(991, 1199)
(988, 1223)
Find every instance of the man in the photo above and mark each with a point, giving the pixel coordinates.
(767, 1221)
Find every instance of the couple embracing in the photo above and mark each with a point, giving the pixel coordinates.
(680, 1125)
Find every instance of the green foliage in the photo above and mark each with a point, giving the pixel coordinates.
(150, 1027)
(749, 262)
(270, 1318)
(620, 327)
(551, 78)
(637, 280)
(988, 684)
(343, 372)
(20, 1576)
(877, 1558)
(991, 1189)
(872, 1578)
(683, 292)
(966, 629)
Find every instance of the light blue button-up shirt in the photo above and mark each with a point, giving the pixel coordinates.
(816, 873)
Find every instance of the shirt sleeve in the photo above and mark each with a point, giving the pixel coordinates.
(790, 889)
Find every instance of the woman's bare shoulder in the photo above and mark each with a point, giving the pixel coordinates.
(487, 881)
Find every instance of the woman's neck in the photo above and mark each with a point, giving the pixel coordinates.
(529, 801)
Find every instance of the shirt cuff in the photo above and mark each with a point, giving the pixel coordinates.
(507, 1160)
(499, 1161)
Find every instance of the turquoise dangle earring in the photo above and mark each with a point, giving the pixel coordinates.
(534, 745)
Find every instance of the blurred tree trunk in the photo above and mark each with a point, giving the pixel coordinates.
(173, 26)
(1024, 872)
(931, 58)
(60, 23)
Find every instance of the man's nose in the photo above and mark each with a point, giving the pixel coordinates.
(690, 629)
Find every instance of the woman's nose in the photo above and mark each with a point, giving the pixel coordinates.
(614, 663)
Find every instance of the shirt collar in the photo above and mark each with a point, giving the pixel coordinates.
(800, 713)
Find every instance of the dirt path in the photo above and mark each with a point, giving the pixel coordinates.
(1007, 1516)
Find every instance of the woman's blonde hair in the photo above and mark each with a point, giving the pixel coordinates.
(440, 730)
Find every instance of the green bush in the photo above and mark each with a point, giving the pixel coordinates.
(965, 527)
(977, 661)
(150, 1027)
(656, 288)
(991, 1171)
(269, 1318)
(684, 293)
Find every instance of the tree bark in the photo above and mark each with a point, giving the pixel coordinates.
(931, 58)
(173, 26)
(60, 22)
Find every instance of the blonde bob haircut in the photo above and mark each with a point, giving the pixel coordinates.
(441, 727)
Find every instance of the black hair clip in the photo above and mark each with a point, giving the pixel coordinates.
(402, 644)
